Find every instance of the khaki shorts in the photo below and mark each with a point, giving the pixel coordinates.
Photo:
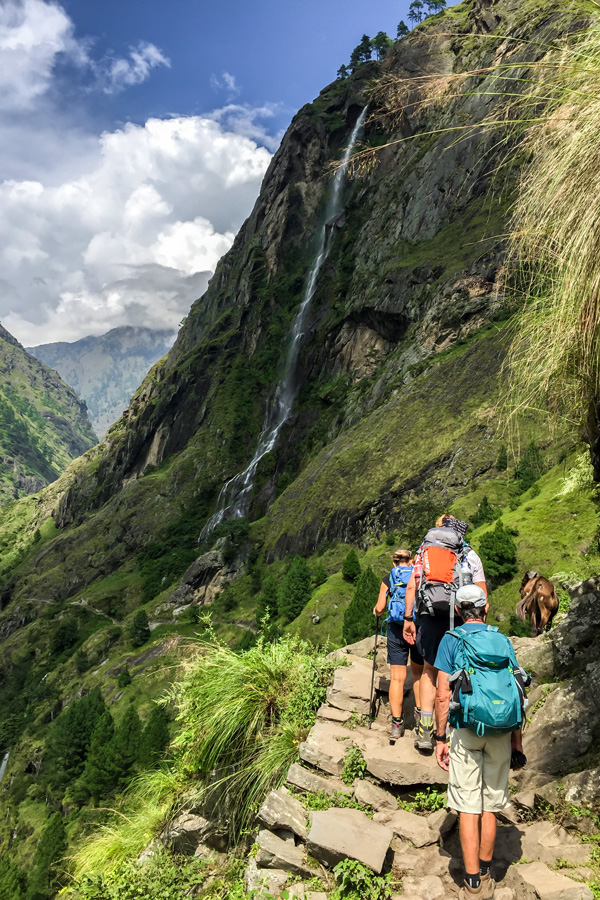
(479, 768)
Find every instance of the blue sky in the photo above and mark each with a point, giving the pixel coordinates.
(134, 136)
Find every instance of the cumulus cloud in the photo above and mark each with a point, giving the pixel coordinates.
(132, 240)
(115, 229)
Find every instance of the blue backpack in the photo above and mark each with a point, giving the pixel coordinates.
(399, 578)
(488, 690)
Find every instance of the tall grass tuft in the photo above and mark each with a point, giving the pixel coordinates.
(555, 244)
(242, 717)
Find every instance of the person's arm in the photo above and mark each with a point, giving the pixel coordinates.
(381, 600)
(442, 705)
(478, 573)
(409, 631)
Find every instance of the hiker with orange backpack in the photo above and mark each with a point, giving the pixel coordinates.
(446, 562)
(392, 595)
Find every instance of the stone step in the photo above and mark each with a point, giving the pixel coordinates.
(281, 810)
(535, 881)
(276, 853)
(311, 782)
(336, 834)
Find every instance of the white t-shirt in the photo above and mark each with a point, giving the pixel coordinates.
(476, 566)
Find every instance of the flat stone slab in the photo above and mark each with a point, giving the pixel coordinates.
(309, 781)
(264, 882)
(409, 826)
(351, 688)
(326, 746)
(431, 887)
(402, 764)
(369, 794)
(332, 714)
(281, 810)
(535, 881)
(302, 892)
(275, 853)
(336, 834)
(547, 842)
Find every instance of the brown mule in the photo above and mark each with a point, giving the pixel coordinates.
(538, 601)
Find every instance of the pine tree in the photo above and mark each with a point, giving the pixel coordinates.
(402, 29)
(498, 553)
(485, 513)
(140, 629)
(101, 772)
(127, 743)
(381, 43)
(358, 617)
(319, 575)
(267, 600)
(351, 566)
(502, 459)
(70, 737)
(155, 737)
(43, 880)
(416, 12)
(12, 880)
(366, 48)
(343, 72)
(529, 468)
(124, 678)
(295, 590)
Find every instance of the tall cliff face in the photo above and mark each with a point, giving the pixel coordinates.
(416, 268)
(43, 424)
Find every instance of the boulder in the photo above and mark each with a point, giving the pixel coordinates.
(431, 887)
(264, 882)
(184, 833)
(402, 764)
(442, 821)
(369, 794)
(582, 788)
(281, 810)
(535, 881)
(351, 688)
(548, 842)
(536, 655)
(326, 746)
(309, 781)
(276, 853)
(409, 827)
(336, 834)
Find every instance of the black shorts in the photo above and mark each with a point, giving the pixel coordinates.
(430, 631)
(398, 649)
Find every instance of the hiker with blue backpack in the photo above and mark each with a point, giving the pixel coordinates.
(392, 595)
(481, 695)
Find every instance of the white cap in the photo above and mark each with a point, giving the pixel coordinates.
(470, 595)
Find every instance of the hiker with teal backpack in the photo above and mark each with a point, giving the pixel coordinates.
(392, 595)
(481, 695)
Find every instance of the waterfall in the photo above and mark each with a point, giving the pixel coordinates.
(234, 497)
(3, 765)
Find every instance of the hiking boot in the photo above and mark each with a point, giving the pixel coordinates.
(424, 737)
(397, 729)
(417, 717)
(485, 891)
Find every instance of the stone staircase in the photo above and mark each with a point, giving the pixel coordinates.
(296, 848)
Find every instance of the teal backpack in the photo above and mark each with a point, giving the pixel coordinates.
(399, 578)
(488, 690)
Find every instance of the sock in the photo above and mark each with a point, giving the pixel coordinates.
(427, 718)
(397, 719)
(473, 880)
(484, 867)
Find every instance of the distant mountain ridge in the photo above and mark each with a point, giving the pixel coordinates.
(43, 424)
(106, 371)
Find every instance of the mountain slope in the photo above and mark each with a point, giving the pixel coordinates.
(43, 424)
(106, 371)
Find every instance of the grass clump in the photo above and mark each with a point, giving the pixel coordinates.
(354, 765)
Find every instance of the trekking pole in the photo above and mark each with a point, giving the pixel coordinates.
(372, 696)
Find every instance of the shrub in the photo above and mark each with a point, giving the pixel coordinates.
(358, 615)
(124, 678)
(354, 765)
(529, 468)
(295, 590)
(139, 631)
(163, 877)
(358, 882)
(485, 513)
(319, 575)
(351, 566)
(498, 553)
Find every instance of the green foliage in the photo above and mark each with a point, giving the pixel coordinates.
(162, 877)
(124, 678)
(381, 43)
(321, 800)
(70, 737)
(319, 575)
(12, 880)
(485, 513)
(498, 553)
(517, 628)
(64, 637)
(267, 601)
(295, 590)
(127, 743)
(358, 882)
(354, 765)
(428, 801)
(351, 566)
(244, 715)
(45, 876)
(139, 631)
(155, 737)
(358, 616)
(362, 52)
(529, 468)
(102, 768)
(502, 459)
(402, 29)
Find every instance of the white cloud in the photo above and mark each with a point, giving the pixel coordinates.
(118, 74)
(133, 239)
(226, 82)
